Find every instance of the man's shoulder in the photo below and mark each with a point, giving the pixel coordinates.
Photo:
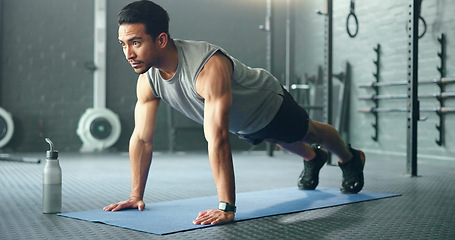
(144, 92)
(195, 47)
(187, 42)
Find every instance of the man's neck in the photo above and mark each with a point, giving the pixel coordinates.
(170, 61)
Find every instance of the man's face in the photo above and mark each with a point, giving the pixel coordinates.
(139, 48)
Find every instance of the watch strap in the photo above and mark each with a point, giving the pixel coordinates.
(224, 206)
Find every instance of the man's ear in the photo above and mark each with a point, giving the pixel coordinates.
(162, 40)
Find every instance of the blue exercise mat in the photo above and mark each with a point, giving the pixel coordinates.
(176, 216)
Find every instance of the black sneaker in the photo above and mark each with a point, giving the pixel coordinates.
(353, 172)
(309, 178)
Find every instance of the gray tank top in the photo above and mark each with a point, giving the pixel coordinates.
(256, 94)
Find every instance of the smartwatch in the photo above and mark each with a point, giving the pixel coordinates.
(224, 206)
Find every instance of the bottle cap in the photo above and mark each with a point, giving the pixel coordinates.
(52, 153)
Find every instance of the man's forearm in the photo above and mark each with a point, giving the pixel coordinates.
(140, 160)
(222, 168)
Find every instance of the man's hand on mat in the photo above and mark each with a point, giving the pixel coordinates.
(130, 203)
(214, 216)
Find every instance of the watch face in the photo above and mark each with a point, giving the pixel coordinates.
(222, 206)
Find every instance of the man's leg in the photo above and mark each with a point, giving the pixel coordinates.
(300, 148)
(327, 136)
(321, 134)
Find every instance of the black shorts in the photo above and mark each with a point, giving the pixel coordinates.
(289, 125)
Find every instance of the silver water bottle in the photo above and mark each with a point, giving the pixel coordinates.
(52, 181)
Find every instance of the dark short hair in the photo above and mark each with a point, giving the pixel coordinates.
(155, 18)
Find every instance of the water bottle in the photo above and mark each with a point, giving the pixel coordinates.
(52, 181)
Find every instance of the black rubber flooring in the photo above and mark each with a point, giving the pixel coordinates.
(426, 209)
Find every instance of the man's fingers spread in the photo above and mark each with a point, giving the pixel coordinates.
(109, 208)
(197, 221)
(116, 208)
(201, 220)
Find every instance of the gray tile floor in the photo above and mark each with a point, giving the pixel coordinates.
(426, 209)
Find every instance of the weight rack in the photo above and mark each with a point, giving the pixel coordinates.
(440, 96)
(377, 63)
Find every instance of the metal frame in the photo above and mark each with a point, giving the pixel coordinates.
(268, 28)
(440, 95)
(438, 110)
(328, 64)
(443, 80)
(10, 158)
(1, 48)
(342, 123)
(171, 128)
(413, 110)
(99, 54)
(328, 69)
(376, 75)
(288, 44)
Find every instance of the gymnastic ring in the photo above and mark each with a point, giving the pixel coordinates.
(424, 26)
(356, 25)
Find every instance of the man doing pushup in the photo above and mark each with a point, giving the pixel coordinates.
(205, 83)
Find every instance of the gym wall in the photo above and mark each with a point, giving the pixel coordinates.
(46, 85)
(384, 22)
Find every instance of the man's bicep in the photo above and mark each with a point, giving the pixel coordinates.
(145, 111)
(215, 87)
(145, 120)
(216, 114)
